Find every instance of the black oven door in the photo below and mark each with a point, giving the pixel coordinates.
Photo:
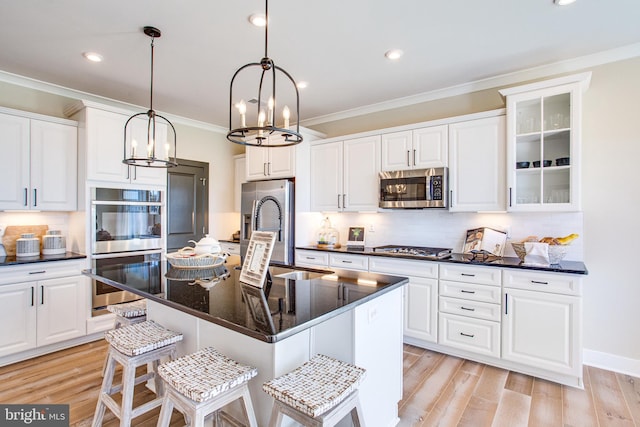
(142, 272)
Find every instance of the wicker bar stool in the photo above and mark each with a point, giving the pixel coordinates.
(128, 313)
(133, 346)
(320, 392)
(201, 383)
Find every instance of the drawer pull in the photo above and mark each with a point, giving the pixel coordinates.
(467, 308)
(310, 257)
(467, 335)
(38, 272)
(347, 261)
(467, 292)
(467, 274)
(539, 282)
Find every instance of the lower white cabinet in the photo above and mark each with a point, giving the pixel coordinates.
(348, 261)
(469, 308)
(313, 259)
(420, 296)
(38, 313)
(541, 325)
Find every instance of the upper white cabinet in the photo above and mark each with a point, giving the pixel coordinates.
(240, 178)
(543, 148)
(104, 132)
(344, 175)
(476, 165)
(40, 163)
(270, 162)
(415, 149)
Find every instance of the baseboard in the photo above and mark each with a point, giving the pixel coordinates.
(39, 351)
(611, 362)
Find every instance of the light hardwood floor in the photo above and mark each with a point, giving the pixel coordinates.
(439, 390)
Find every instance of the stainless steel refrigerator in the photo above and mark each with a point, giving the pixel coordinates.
(269, 206)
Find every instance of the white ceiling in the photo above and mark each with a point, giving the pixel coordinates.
(337, 46)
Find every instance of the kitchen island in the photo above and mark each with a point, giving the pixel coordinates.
(352, 316)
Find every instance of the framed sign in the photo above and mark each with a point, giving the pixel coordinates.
(355, 239)
(256, 260)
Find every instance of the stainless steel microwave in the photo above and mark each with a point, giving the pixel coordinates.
(414, 189)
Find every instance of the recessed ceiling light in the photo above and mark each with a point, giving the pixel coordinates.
(394, 54)
(92, 56)
(563, 2)
(302, 84)
(258, 19)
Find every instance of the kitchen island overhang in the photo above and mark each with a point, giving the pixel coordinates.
(352, 288)
(356, 317)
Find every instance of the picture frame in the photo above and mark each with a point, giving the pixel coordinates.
(356, 238)
(256, 261)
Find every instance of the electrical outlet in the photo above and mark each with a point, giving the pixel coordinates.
(371, 228)
(507, 229)
(2, 228)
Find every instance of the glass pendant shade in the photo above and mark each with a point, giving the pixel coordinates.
(273, 121)
(149, 138)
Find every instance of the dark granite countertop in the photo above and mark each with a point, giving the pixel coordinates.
(571, 267)
(270, 315)
(13, 260)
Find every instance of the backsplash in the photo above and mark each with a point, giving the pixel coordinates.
(55, 221)
(443, 229)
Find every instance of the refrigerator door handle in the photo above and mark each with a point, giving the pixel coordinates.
(254, 217)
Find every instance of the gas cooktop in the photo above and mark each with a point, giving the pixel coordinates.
(416, 251)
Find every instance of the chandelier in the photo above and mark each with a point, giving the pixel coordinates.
(264, 129)
(158, 136)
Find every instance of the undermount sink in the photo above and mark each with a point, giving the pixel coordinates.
(296, 274)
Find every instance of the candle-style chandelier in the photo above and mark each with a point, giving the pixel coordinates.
(264, 132)
(159, 149)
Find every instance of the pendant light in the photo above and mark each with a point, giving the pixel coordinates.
(264, 130)
(158, 136)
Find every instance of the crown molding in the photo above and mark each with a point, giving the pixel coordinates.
(565, 66)
(80, 97)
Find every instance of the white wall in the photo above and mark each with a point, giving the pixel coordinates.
(608, 225)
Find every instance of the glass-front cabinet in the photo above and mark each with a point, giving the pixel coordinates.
(543, 144)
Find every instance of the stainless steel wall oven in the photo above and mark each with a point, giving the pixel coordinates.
(126, 230)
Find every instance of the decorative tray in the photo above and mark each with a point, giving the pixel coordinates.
(187, 258)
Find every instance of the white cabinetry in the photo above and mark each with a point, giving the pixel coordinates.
(270, 162)
(37, 313)
(313, 259)
(344, 175)
(40, 163)
(415, 149)
(469, 315)
(104, 139)
(240, 178)
(543, 126)
(476, 165)
(348, 261)
(420, 296)
(541, 321)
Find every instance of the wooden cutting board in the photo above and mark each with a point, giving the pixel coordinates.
(14, 232)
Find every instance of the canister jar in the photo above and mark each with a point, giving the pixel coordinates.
(53, 243)
(27, 245)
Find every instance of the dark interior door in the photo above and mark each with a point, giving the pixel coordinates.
(187, 203)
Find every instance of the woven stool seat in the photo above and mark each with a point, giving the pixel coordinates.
(141, 337)
(201, 383)
(141, 344)
(205, 374)
(319, 392)
(129, 309)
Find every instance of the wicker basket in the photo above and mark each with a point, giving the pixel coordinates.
(186, 258)
(556, 252)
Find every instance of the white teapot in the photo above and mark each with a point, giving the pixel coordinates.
(206, 245)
